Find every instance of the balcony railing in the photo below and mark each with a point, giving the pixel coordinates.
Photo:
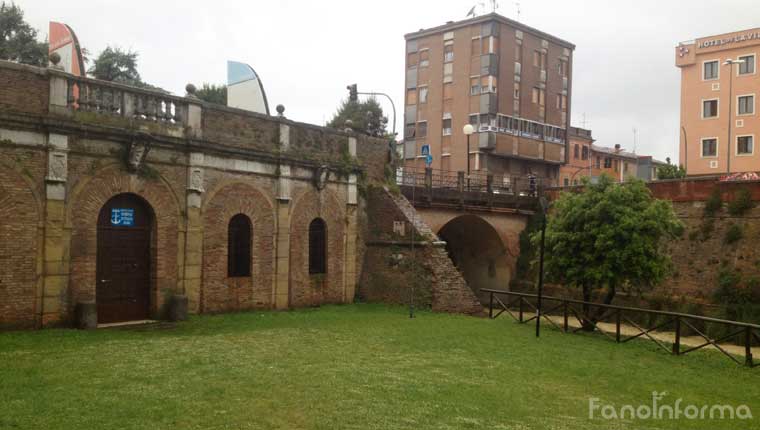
(108, 98)
(521, 127)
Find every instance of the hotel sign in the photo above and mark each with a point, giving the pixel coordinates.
(710, 43)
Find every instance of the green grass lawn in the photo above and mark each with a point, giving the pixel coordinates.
(355, 367)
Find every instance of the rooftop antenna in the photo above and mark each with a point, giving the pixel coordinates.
(473, 11)
(634, 139)
(583, 121)
(517, 4)
(494, 6)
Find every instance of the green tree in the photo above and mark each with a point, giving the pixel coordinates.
(671, 171)
(366, 117)
(212, 93)
(607, 238)
(18, 40)
(116, 65)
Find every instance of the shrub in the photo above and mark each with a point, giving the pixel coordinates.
(729, 291)
(733, 234)
(708, 225)
(741, 203)
(714, 203)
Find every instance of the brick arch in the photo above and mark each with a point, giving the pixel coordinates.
(218, 292)
(20, 230)
(306, 290)
(87, 199)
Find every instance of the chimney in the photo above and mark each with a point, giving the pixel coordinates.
(617, 147)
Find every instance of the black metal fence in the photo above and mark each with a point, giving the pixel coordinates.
(474, 182)
(589, 315)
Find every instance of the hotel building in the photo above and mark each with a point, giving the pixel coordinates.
(719, 90)
(510, 81)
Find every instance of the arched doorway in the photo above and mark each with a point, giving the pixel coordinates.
(476, 249)
(125, 225)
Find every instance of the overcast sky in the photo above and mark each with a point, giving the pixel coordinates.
(306, 52)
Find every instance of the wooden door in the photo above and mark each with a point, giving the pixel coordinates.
(123, 261)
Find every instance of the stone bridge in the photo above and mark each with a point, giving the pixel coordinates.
(479, 217)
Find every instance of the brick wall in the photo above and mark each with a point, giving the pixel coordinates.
(237, 195)
(23, 88)
(394, 270)
(20, 217)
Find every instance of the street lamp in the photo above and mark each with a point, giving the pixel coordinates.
(468, 130)
(730, 62)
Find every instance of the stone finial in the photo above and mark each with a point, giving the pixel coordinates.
(349, 125)
(280, 110)
(55, 58)
(190, 89)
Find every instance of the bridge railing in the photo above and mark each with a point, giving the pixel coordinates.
(478, 181)
(623, 324)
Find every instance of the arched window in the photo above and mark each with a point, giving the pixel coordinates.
(239, 246)
(317, 247)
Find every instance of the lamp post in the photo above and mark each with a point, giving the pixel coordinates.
(468, 130)
(730, 62)
(544, 208)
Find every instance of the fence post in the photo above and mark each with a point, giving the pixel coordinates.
(564, 314)
(677, 343)
(490, 305)
(429, 183)
(521, 308)
(617, 326)
(748, 346)
(460, 187)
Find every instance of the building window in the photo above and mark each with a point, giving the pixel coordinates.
(562, 68)
(617, 165)
(746, 105)
(476, 47)
(517, 90)
(744, 145)
(423, 94)
(539, 60)
(411, 59)
(575, 151)
(422, 129)
(748, 65)
(488, 84)
(539, 96)
(446, 124)
(710, 147)
(239, 246)
(625, 167)
(584, 152)
(411, 96)
(474, 119)
(710, 71)
(317, 247)
(475, 85)
(607, 162)
(448, 53)
(424, 58)
(566, 181)
(448, 92)
(710, 108)
(598, 162)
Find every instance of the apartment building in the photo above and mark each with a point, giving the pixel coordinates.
(510, 81)
(719, 120)
(585, 159)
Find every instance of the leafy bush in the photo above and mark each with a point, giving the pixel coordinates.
(733, 234)
(729, 290)
(707, 227)
(741, 203)
(714, 203)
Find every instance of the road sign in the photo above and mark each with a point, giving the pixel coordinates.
(425, 150)
(429, 159)
(123, 217)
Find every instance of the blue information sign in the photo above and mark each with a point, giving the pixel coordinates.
(429, 159)
(123, 217)
(425, 150)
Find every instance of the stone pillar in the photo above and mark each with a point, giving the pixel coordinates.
(55, 264)
(281, 297)
(352, 200)
(193, 253)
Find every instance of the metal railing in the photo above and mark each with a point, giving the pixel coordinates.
(477, 181)
(589, 315)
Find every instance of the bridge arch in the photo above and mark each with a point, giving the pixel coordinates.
(477, 250)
